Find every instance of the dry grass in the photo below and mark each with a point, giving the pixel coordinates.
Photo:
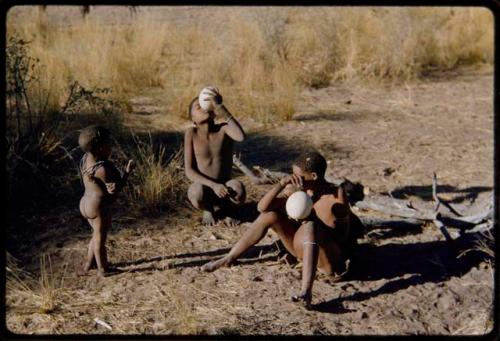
(27, 293)
(263, 60)
(158, 183)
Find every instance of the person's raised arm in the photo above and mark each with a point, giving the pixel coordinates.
(271, 202)
(232, 128)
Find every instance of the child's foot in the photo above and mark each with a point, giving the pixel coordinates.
(214, 265)
(208, 218)
(82, 272)
(304, 299)
(231, 222)
(108, 272)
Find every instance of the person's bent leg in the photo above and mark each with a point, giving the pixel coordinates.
(200, 198)
(305, 242)
(252, 236)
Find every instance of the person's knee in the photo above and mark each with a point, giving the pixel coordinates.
(307, 229)
(237, 191)
(195, 194)
(305, 234)
(270, 217)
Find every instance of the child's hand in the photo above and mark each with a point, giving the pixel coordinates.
(220, 190)
(215, 96)
(292, 179)
(111, 187)
(130, 166)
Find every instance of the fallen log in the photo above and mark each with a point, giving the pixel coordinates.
(406, 209)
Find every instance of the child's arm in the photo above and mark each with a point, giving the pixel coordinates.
(192, 172)
(111, 177)
(341, 207)
(232, 128)
(271, 202)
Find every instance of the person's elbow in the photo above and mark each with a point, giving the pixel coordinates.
(240, 137)
(262, 208)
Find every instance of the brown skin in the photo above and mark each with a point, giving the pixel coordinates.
(100, 192)
(310, 240)
(208, 159)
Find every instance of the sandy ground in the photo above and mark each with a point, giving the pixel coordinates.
(405, 281)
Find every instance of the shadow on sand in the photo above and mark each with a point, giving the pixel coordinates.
(434, 262)
(425, 192)
(257, 254)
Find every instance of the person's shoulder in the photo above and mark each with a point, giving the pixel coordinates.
(190, 132)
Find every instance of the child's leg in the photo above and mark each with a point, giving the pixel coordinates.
(200, 198)
(90, 260)
(317, 249)
(101, 225)
(257, 230)
(305, 242)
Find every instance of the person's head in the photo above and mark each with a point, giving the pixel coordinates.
(96, 140)
(196, 114)
(311, 166)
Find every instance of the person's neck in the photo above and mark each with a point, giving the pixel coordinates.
(206, 127)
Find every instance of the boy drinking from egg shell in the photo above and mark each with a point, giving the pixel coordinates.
(208, 157)
(321, 240)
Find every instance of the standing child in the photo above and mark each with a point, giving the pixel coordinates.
(208, 158)
(102, 182)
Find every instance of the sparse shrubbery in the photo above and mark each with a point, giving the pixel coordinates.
(41, 143)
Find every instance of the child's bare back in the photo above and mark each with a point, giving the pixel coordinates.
(102, 182)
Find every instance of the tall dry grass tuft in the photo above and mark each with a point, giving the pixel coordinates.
(29, 293)
(158, 183)
(260, 57)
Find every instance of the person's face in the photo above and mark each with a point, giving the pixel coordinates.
(198, 115)
(308, 178)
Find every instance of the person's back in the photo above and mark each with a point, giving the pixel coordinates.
(102, 182)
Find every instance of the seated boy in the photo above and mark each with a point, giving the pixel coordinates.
(321, 241)
(208, 159)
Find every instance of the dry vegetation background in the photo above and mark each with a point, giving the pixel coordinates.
(65, 71)
(262, 56)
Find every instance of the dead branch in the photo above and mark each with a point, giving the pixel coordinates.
(245, 170)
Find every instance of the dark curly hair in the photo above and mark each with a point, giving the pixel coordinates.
(93, 137)
(312, 161)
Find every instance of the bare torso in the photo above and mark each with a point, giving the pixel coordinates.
(213, 154)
